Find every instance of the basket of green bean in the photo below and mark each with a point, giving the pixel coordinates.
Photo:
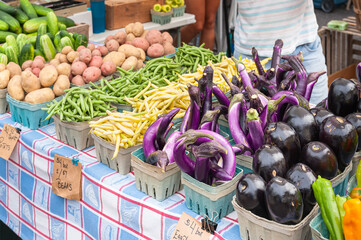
(72, 113)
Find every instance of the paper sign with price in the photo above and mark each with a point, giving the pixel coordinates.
(66, 178)
(188, 228)
(8, 138)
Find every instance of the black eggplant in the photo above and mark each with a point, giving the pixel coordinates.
(321, 159)
(250, 194)
(303, 122)
(343, 97)
(285, 138)
(284, 201)
(341, 137)
(302, 177)
(320, 114)
(358, 107)
(355, 120)
(269, 162)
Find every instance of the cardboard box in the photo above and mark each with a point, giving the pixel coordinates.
(119, 13)
(348, 72)
(82, 28)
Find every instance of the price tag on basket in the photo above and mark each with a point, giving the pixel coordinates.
(188, 228)
(8, 138)
(67, 177)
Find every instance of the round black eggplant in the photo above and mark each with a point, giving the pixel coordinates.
(341, 136)
(302, 177)
(285, 138)
(250, 194)
(284, 201)
(320, 114)
(321, 159)
(303, 121)
(355, 120)
(268, 162)
(343, 97)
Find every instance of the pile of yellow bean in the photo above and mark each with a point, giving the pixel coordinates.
(250, 65)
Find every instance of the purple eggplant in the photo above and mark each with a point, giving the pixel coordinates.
(255, 129)
(201, 169)
(320, 114)
(186, 119)
(355, 120)
(281, 71)
(158, 158)
(221, 97)
(164, 128)
(234, 89)
(343, 97)
(285, 138)
(276, 56)
(257, 61)
(246, 81)
(268, 162)
(242, 150)
(284, 201)
(218, 172)
(341, 136)
(234, 121)
(170, 145)
(196, 116)
(303, 122)
(149, 138)
(320, 158)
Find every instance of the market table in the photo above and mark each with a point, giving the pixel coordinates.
(176, 22)
(111, 206)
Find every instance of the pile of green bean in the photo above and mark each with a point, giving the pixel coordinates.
(190, 56)
(79, 104)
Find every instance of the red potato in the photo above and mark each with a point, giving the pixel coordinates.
(40, 57)
(81, 47)
(77, 68)
(155, 50)
(103, 50)
(70, 77)
(37, 63)
(140, 43)
(78, 80)
(85, 55)
(112, 45)
(107, 39)
(108, 68)
(154, 36)
(91, 74)
(76, 60)
(128, 42)
(167, 37)
(36, 71)
(96, 61)
(168, 48)
(91, 46)
(96, 52)
(120, 37)
(27, 64)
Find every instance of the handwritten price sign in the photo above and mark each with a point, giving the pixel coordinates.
(66, 178)
(8, 139)
(188, 228)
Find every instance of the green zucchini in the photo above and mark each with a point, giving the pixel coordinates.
(28, 8)
(3, 59)
(47, 47)
(41, 10)
(21, 16)
(3, 26)
(7, 8)
(11, 54)
(52, 23)
(14, 24)
(27, 53)
(11, 41)
(33, 24)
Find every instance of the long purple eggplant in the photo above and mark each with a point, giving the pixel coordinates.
(223, 110)
(221, 97)
(281, 71)
(255, 129)
(246, 81)
(218, 172)
(183, 161)
(158, 158)
(240, 149)
(257, 61)
(272, 106)
(234, 89)
(202, 169)
(276, 56)
(149, 138)
(163, 126)
(186, 118)
(234, 121)
(196, 116)
(309, 89)
(208, 149)
(170, 145)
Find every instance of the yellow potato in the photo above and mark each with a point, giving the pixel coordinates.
(48, 75)
(4, 78)
(130, 62)
(15, 89)
(61, 84)
(116, 57)
(40, 96)
(129, 50)
(29, 82)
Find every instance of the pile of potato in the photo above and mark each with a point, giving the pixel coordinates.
(152, 42)
(32, 83)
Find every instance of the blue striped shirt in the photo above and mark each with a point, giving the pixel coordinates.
(259, 23)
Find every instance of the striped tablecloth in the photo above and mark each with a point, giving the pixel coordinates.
(111, 207)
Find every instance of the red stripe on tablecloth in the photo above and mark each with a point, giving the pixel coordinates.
(224, 229)
(180, 194)
(23, 221)
(19, 213)
(109, 175)
(45, 212)
(49, 226)
(100, 228)
(231, 219)
(161, 227)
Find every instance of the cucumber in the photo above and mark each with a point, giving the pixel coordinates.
(43, 29)
(81, 40)
(65, 41)
(3, 26)
(7, 8)
(11, 41)
(31, 40)
(61, 26)
(37, 52)
(2, 49)
(10, 53)
(21, 16)
(3, 58)
(21, 40)
(14, 24)
(56, 40)
(47, 47)
(52, 23)
(28, 8)
(51, 36)
(33, 24)
(41, 10)
(27, 53)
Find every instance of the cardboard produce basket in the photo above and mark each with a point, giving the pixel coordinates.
(152, 181)
(253, 227)
(4, 106)
(215, 202)
(105, 150)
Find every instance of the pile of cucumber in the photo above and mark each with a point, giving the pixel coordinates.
(34, 30)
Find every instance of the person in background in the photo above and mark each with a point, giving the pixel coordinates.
(205, 12)
(259, 23)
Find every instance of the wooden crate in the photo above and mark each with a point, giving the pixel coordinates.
(341, 48)
(82, 28)
(119, 13)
